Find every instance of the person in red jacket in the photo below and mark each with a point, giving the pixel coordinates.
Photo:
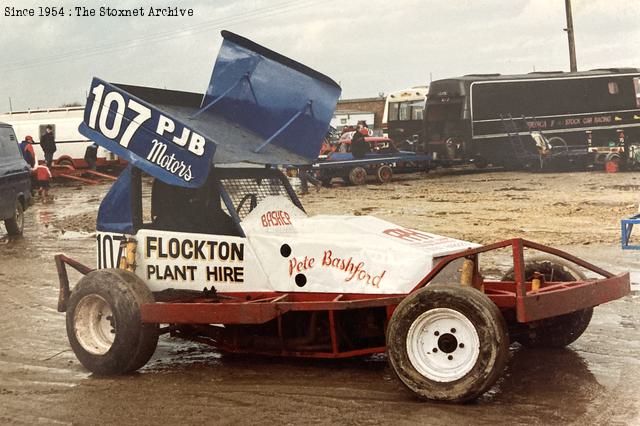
(43, 176)
(26, 148)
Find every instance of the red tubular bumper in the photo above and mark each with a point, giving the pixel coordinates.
(564, 298)
(554, 298)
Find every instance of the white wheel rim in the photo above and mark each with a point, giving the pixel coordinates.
(94, 324)
(443, 345)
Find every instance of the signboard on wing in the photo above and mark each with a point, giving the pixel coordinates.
(145, 136)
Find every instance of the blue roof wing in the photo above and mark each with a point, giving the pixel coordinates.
(260, 107)
(286, 103)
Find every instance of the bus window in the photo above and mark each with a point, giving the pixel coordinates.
(404, 113)
(416, 110)
(636, 84)
(613, 88)
(393, 111)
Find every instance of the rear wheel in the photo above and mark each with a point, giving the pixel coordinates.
(15, 224)
(384, 174)
(66, 162)
(447, 342)
(103, 322)
(358, 176)
(555, 332)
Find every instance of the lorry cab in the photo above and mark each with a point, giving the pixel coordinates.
(15, 182)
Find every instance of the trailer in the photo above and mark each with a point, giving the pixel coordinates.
(383, 160)
(227, 256)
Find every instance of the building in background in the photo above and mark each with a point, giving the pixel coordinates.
(373, 106)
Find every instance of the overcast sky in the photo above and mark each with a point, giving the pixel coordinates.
(368, 46)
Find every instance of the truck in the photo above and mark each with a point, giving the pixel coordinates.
(227, 256)
(490, 118)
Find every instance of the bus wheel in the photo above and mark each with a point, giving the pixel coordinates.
(447, 342)
(555, 332)
(384, 174)
(358, 176)
(103, 322)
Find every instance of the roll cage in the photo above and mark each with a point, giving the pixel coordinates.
(217, 207)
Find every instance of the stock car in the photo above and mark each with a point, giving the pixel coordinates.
(227, 256)
(382, 161)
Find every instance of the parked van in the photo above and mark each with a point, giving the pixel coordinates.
(15, 181)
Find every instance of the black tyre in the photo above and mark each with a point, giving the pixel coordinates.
(384, 174)
(358, 176)
(447, 343)
(15, 224)
(326, 181)
(480, 162)
(66, 162)
(560, 331)
(103, 322)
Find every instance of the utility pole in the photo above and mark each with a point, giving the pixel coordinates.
(10, 106)
(572, 42)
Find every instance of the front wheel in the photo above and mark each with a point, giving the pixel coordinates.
(448, 343)
(384, 174)
(15, 224)
(103, 322)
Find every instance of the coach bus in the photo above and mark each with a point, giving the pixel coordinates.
(475, 118)
(402, 119)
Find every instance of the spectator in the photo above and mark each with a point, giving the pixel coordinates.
(91, 156)
(48, 145)
(26, 148)
(306, 175)
(43, 176)
(359, 146)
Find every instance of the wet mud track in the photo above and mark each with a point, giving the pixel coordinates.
(594, 381)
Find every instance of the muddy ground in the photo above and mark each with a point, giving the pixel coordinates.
(594, 381)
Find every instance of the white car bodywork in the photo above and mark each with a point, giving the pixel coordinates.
(287, 251)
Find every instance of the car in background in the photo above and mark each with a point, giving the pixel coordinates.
(15, 182)
(382, 161)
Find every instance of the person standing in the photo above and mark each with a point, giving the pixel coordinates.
(359, 146)
(91, 156)
(43, 176)
(306, 175)
(26, 148)
(48, 145)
